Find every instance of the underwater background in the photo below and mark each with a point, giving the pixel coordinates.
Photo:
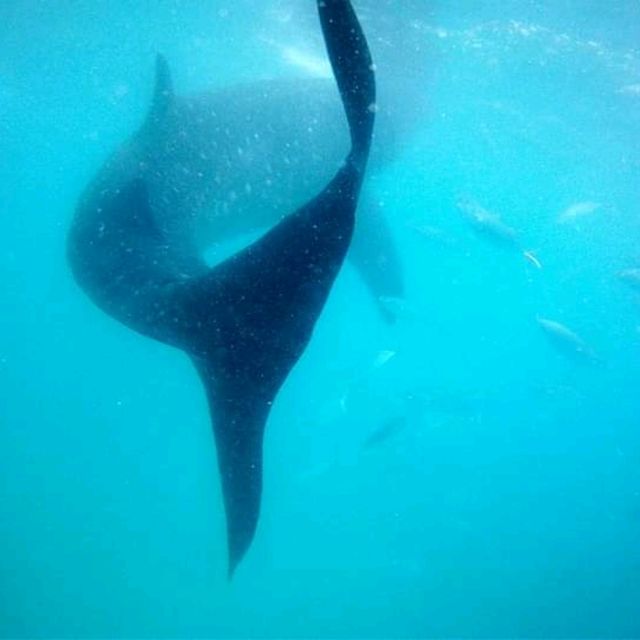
(456, 473)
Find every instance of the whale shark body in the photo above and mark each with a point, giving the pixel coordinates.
(234, 161)
(136, 247)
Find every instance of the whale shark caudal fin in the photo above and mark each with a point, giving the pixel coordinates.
(353, 70)
(253, 315)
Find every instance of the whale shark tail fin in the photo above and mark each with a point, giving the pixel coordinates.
(250, 319)
(238, 425)
(247, 321)
(353, 70)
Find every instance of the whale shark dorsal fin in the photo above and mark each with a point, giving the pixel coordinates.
(162, 91)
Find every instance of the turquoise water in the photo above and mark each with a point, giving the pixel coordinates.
(503, 498)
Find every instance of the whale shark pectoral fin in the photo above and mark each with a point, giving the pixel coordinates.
(163, 95)
(375, 256)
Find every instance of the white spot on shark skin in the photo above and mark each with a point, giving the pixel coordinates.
(439, 32)
(578, 210)
(523, 29)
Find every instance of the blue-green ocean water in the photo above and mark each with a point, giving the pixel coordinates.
(505, 503)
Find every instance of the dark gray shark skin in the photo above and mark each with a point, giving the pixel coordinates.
(245, 322)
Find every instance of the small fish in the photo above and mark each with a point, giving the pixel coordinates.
(387, 430)
(487, 224)
(630, 277)
(532, 258)
(382, 358)
(344, 401)
(578, 210)
(567, 342)
(432, 234)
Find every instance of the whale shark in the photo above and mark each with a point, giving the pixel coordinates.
(244, 322)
